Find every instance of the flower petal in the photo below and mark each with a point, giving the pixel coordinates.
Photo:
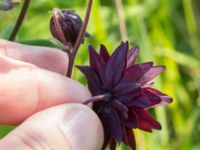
(146, 121)
(104, 53)
(112, 144)
(141, 101)
(112, 124)
(125, 87)
(137, 71)
(129, 97)
(131, 56)
(154, 99)
(126, 91)
(97, 63)
(129, 138)
(119, 106)
(133, 120)
(116, 65)
(92, 78)
(154, 95)
(151, 74)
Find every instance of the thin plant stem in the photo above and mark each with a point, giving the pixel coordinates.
(104, 97)
(121, 19)
(19, 20)
(79, 39)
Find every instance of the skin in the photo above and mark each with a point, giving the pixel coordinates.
(36, 96)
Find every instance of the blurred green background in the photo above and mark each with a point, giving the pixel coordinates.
(168, 33)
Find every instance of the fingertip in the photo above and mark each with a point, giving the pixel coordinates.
(72, 126)
(44, 57)
(51, 59)
(26, 89)
(82, 128)
(57, 89)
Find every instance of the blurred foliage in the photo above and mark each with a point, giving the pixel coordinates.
(168, 32)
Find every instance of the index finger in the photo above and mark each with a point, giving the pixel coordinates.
(26, 89)
(44, 57)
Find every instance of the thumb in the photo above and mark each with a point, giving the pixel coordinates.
(63, 127)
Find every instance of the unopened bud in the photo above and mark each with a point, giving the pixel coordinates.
(70, 24)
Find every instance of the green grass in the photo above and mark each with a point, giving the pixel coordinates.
(168, 32)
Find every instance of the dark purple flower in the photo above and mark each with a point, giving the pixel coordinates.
(70, 24)
(125, 88)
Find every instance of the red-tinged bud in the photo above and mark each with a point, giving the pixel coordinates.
(67, 22)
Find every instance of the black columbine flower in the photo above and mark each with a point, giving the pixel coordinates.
(70, 24)
(125, 93)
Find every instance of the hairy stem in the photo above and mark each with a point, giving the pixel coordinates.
(121, 19)
(19, 20)
(79, 39)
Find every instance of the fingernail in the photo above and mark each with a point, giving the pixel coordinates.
(81, 130)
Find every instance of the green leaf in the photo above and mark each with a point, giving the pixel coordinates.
(4, 130)
(5, 33)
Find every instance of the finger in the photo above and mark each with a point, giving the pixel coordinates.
(26, 89)
(47, 58)
(68, 126)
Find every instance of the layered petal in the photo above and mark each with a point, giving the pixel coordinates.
(133, 120)
(146, 121)
(141, 101)
(131, 56)
(126, 87)
(96, 62)
(158, 98)
(112, 123)
(93, 80)
(127, 91)
(104, 53)
(134, 73)
(112, 144)
(151, 74)
(131, 138)
(116, 65)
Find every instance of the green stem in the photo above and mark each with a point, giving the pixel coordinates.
(79, 39)
(121, 19)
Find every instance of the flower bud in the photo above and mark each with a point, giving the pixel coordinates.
(7, 5)
(70, 24)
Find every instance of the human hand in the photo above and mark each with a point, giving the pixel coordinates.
(33, 88)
